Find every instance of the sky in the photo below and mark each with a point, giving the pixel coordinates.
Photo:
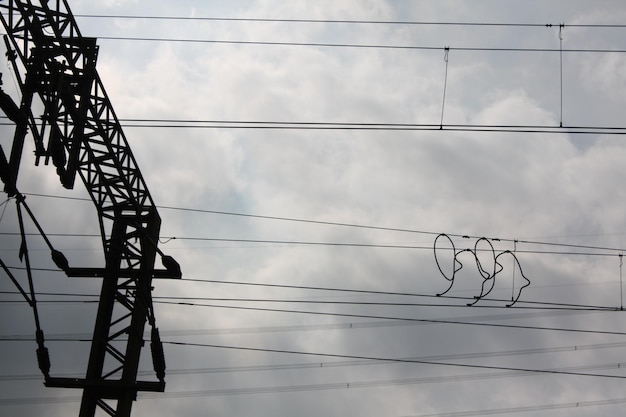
(310, 256)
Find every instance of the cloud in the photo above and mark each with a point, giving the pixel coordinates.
(557, 188)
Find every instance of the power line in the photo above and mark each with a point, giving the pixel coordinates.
(375, 245)
(395, 318)
(392, 318)
(474, 355)
(398, 293)
(39, 400)
(524, 409)
(335, 244)
(279, 125)
(530, 304)
(80, 337)
(54, 294)
(394, 360)
(357, 126)
(343, 224)
(51, 301)
(538, 305)
(362, 46)
(344, 21)
(542, 305)
(316, 387)
(352, 363)
(187, 301)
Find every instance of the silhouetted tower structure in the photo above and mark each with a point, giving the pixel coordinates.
(79, 132)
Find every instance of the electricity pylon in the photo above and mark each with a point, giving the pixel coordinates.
(80, 133)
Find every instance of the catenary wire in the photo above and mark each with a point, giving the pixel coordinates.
(314, 387)
(392, 318)
(377, 383)
(345, 21)
(535, 304)
(317, 365)
(395, 318)
(391, 360)
(525, 409)
(290, 388)
(542, 305)
(353, 325)
(400, 360)
(352, 225)
(388, 322)
(187, 301)
(390, 293)
(364, 46)
(352, 363)
(538, 304)
(337, 244)
(545, 129)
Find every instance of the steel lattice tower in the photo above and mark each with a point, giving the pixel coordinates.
(80, 133)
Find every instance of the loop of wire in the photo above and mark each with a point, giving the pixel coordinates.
(488, 269)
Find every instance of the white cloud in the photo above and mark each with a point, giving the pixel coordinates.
(527, 186)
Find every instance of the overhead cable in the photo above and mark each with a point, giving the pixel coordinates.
(395, 318)
(357, 363)
(362, 46)
(539, 305)
(366, 126)
(466, 322)
(395, 360)
(351, 21)
(526, 408)
(359, 226)
(316, 387)
(335, 244)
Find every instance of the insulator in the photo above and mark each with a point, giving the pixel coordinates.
(171, 265)
(39, 337)
(43, 357)
(43, 360)
(67, 177)
(158, 356)
(60, 260)
(9, 108)
(56, 149)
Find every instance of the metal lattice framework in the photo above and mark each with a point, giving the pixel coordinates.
(81, 134)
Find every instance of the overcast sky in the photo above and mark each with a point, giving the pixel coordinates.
(352, 209)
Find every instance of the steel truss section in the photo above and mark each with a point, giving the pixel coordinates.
(85, 138)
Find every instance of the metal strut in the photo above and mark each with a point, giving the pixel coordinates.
(85, 139)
